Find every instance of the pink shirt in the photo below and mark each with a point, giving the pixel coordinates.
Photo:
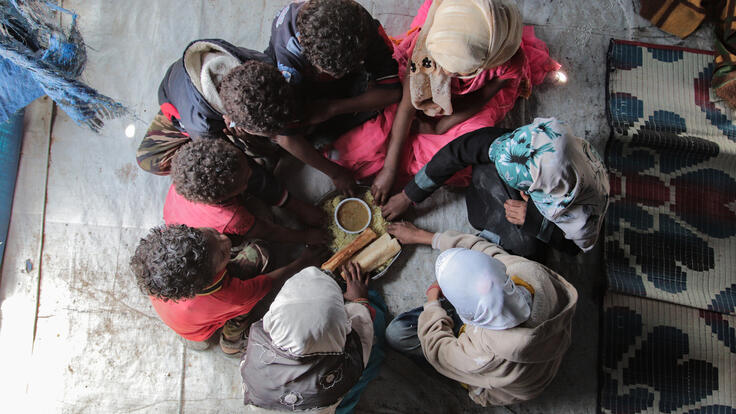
(228, 218)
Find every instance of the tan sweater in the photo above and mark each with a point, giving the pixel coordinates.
(502, 366)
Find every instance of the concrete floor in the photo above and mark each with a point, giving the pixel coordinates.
(76, 335)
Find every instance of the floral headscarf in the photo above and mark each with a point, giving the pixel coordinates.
(562, 174)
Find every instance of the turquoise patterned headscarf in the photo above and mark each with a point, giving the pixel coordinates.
(562, 174)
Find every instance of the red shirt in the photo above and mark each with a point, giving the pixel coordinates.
(198, 318)
(228, 218)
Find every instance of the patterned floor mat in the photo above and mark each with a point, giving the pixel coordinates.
(670, 246)
(664, 358)
(671, 226)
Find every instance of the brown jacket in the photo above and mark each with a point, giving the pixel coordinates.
(506, 366)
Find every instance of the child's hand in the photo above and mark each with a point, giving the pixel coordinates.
(357, 282)
(516, 210)
(315, 236)
(314, 255)
(308, 214)
(434, 292)
(408, 233)
(396, 206)
(345, 183)
(382, 185)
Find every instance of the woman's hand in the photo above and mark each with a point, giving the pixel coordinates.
(396, 206)
(516, 210)
(434, 292)
(382, 185)
(408, 233)
(357, 282)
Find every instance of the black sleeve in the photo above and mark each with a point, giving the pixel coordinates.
(265, 186)
(546, 231)
(468, 149)
(379, 61)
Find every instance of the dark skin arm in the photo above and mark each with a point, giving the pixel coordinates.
(464, 106)
(384, 181)
(374, 98)
(305, 152)
(265, 229)
(311, 256)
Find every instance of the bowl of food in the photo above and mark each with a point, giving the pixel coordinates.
(340, 240)
(352, 215)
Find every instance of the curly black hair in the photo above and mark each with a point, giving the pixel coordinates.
(173, 262)
(257, 97)
(208, 170)
(333, 34)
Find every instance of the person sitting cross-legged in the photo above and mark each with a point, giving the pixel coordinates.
(516, 315)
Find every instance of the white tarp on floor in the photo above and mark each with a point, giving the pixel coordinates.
(81, 205)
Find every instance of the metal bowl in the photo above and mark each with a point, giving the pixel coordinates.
(330, 194)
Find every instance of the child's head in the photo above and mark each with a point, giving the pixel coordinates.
(177, 262)
(258, 99)
(333, 35)
(210, 171)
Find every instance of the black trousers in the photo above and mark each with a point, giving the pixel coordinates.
(484, 199)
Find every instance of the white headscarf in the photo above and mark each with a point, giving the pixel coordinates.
(308, 315)
(480, 290)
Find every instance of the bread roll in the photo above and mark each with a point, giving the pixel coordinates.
(377, 253)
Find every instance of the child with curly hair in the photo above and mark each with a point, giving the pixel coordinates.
(196, 289)
(339, 60)
(212, 182)
(258, 101)
(192, 110)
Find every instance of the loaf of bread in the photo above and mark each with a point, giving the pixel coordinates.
(341, 257)
(377, 253)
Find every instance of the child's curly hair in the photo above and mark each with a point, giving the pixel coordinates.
(333, 34)
(257, 97)
(173, 262)
(207, 170)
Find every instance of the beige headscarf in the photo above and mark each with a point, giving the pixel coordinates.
(463, 37)
(308, 315)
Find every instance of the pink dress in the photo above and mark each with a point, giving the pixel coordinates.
(363, 149)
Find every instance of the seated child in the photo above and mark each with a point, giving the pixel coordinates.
(562, 174)
(260, 102)
(196, 289)
(312, 345)
(210, 180)
(192, 110)
(517, 317)
(334, 52)
(463, 64)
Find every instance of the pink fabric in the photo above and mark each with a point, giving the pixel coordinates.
(363, 149)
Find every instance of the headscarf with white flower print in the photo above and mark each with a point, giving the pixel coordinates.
(562, 174)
